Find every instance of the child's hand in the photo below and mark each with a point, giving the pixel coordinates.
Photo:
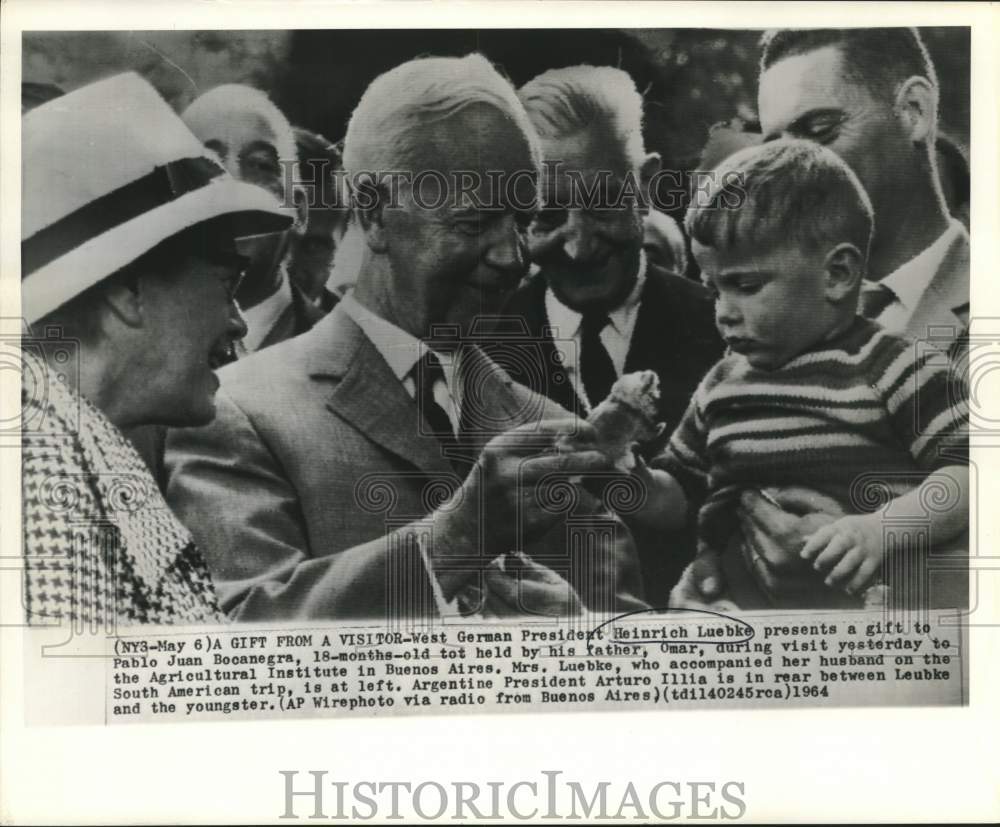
(849, 551)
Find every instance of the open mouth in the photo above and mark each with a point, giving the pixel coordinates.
(222, 354)
(740, 345)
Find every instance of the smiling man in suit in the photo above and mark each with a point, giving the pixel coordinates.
(871, 95)
(595, 295)
(597, 305)
(337, 476)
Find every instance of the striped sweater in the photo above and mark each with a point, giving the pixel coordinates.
(858, 417)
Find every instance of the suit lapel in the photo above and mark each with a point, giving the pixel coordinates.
(369, 396)
(283, 328)
(946, 299)
(649, 339)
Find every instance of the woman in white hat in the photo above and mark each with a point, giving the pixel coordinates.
(128, 270)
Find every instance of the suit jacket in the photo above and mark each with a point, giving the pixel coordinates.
(305, 490)
(943, 312)
(674, 336)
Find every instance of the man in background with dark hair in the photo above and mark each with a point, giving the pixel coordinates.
(312, 250)
(871, 95)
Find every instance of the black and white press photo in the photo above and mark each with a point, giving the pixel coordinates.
(507, 369)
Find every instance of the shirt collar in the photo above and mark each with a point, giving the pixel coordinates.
(566, 322)
(401, 350)
(910, 280)
(261, 318)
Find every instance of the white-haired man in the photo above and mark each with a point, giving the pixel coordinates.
(316, 488)
(610, 310)
(129, 270)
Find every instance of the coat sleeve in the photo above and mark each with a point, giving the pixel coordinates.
(224, 483)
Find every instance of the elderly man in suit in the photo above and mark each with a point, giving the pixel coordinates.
(871, 95)
(598, 304)
(596, 296)
(335, 481)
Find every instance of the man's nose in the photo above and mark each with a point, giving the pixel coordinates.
(232, 164)
(579, 239)
(506, 247)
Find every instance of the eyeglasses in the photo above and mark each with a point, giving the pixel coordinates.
(236, 266)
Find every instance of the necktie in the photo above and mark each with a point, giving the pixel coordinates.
(430, 373)
(596, 369)
(875, 298)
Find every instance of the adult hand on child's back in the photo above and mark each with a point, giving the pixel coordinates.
(774, 533)
(775, 526)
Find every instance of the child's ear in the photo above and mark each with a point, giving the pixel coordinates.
(845, 268)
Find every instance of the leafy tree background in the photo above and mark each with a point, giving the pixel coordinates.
(691, 78)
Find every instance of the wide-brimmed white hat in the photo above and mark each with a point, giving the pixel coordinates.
(108, 172)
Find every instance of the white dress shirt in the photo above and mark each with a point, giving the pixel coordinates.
(402, 351)
(261, 318)
(911, 279)
(616, 336)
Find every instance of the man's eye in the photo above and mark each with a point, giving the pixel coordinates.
(472, 225)
(261, 166)
(822, 130)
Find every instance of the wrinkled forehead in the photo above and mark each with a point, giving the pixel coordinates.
(589, 155)
(478, 138)
(231, 129)
(482, 154)
(799, 84)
